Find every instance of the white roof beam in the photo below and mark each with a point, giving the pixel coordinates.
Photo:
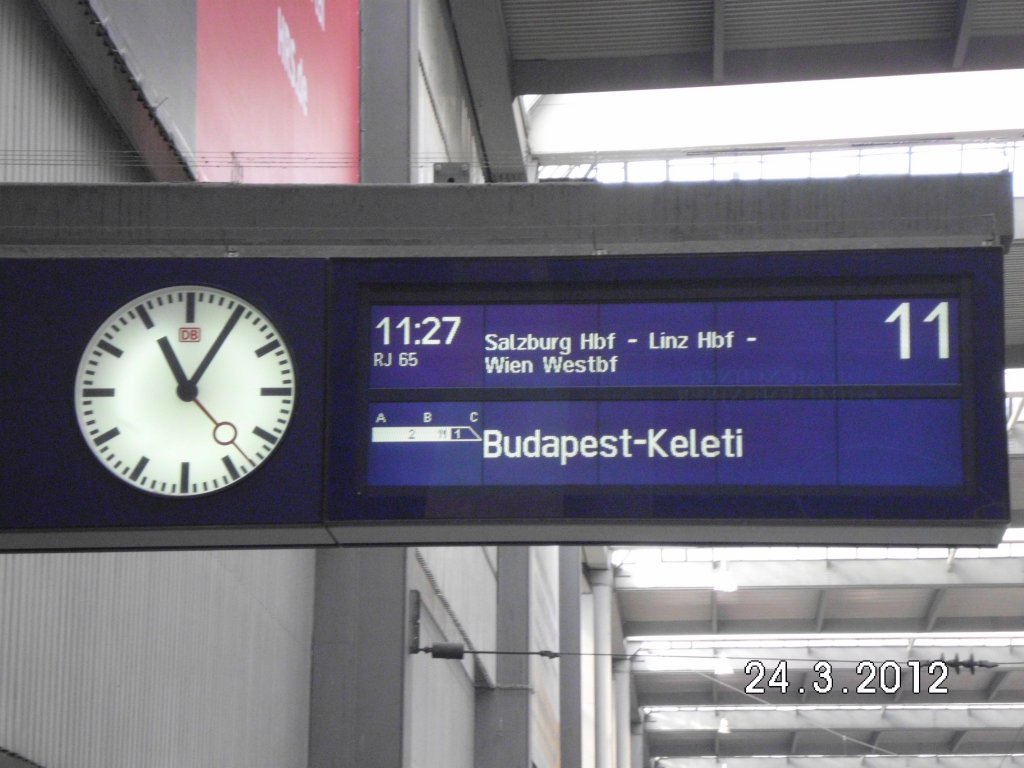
(663, 723)
(801, 658)
(818, 761)
(821, 574)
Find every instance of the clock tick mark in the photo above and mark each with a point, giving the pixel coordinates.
(264, 435)
(137, 472)
(110, 434)
(275, 391)
(144, 316)
(98, 392)
(109, 348)
(268, 348)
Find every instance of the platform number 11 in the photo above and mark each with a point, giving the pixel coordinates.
(939, 316)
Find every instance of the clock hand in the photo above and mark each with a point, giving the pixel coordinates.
(224, 432)
(186, 389)
(218, 342)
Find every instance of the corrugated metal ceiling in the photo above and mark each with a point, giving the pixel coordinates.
(786, 23)
(569, 29)
(563, 29)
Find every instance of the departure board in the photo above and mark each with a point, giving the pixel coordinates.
(777, 387)
(796, 392)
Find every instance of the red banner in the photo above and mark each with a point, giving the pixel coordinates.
(278, 91)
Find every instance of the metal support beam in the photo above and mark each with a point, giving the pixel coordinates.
(998, 683)
(763, 65)
(718, 42)
(957, 741)
(483, 45)
(962, 31)
(934, 607)
(107, 74)
(819, 611)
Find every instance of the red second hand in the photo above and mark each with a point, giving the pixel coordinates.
(217, 424)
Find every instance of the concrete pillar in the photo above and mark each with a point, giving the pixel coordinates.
(604, 690)
(503, 713)
(357, 702)
(639, 746)
(570, 667)
(623, 716)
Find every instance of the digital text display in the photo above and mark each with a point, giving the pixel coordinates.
(810, 392)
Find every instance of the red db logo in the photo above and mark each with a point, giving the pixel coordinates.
(189, 334)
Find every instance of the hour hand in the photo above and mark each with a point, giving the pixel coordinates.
(186, 391)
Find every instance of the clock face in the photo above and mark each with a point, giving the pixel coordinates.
(184, 391)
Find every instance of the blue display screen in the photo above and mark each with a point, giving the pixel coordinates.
(701, 443)
(808, 392)
(717, 343)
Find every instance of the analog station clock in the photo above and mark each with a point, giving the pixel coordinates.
(184, 391)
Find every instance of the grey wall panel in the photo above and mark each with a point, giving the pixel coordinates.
(459, 588)
(156, 659)
(51, 127)
(441, 716)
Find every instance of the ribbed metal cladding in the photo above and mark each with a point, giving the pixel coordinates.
(51, 128)
(564, 29)
(998, 17)
(111, 660)
(753, 24)
(1013, 287)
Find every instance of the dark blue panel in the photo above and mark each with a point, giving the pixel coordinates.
(49, 309)
(818, 357)
(785, 442)
(425, 444)
(547, 342)
(659, 461)
(763, 443)
(426, 346)
(899, 442)
(533, 443)
(775, 343)
(657, 344)
(897, 341)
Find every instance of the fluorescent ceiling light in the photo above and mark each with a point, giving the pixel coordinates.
(677, 662)
(823, 111)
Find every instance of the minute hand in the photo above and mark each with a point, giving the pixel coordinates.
(217, 344)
